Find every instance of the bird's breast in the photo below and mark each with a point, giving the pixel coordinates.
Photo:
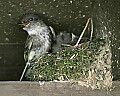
(42, 43)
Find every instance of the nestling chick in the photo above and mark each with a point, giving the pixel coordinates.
(39, 39)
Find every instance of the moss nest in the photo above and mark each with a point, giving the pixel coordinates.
(88, 64)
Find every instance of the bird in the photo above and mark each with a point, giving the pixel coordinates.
(62, 39)
(39, 40)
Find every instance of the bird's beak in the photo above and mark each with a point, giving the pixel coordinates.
(24, 24)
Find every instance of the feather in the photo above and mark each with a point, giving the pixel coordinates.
(28, 46)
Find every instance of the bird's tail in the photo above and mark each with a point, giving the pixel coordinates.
(24, 71)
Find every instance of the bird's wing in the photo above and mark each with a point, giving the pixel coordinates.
(52, 31)
(28, 46)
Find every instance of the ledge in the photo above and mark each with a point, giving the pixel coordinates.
(16, 88)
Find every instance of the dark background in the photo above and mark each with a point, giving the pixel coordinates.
(62, 15)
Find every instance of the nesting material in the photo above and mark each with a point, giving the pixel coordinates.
(89, 65)
(99, 75)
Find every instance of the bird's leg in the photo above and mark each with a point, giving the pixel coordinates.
(24, 71)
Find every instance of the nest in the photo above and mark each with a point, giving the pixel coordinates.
(88, 64)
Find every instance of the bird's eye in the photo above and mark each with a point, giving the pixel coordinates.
(31, 19)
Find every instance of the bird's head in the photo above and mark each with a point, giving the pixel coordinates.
(31, 21)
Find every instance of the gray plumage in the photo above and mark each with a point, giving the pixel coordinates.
(38, 41)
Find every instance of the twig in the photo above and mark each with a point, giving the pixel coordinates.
(72, 56)
(24, 71)
(91, 29)
(66, 45)
(85, 30)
